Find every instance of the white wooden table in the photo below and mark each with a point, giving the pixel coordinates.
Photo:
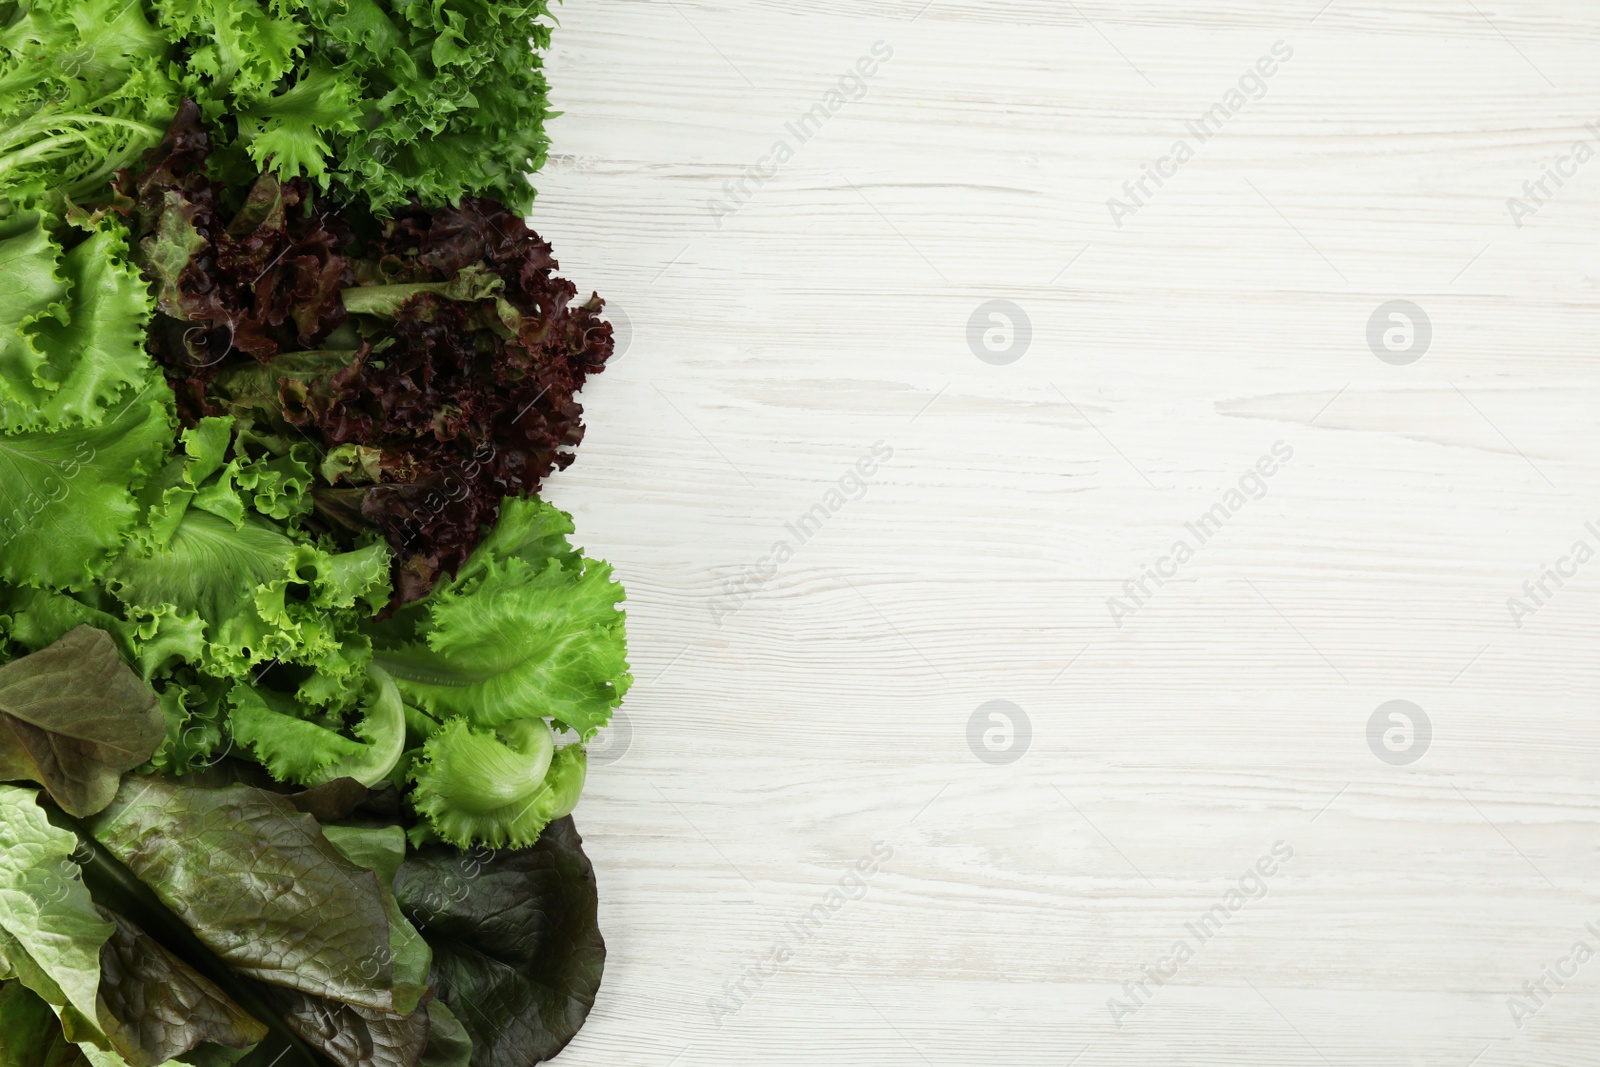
(791, 717)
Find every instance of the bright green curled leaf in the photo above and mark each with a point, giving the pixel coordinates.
(268, 726)
(31, 289)
(277, 487)
(297, 750)
(83, 91)
(262, 595)
(74, 717)
(525, 630)
(97, 355)
(476, 788)
(66, 499)
(49, 929)
(258, 883)
(152, 641)
(516, 941)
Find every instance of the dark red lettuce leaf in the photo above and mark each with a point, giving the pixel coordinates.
(449, 385)
(155, 1007)
(352, 1036)
(516, 941)
(254, 281)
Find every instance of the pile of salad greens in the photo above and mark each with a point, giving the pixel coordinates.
(296, 668)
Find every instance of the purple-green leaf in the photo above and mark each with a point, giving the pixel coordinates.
(74, 717)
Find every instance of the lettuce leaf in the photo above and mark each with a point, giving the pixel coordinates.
(381, 850)
(518, 633)
(516, 941)
(262, 595)
(83, 90)
(30, 1033)
(154, 1007)
(259, 884)
(66, 495)
(295, 749)
(351, 1035)
(476, 789)
(50, 933)
(434, 101)
(31, 289)
(73, 718)
(96, 355)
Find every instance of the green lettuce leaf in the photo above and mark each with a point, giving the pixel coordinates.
(475, 788)
(30, 1033)
(31, 289)
(237, 46)
(73, 718)
(298, 750)
(268, 726)
(50, 933)
(97, 354)
(152, 641)
(291, 131)
(66, 496)
(516, 941)
(526, 629)
(83, 91)
(262, 595)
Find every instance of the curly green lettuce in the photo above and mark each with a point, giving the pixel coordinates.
(527, 626)
(527, 631)
(529, 636)
(84, 89)
(388, 100)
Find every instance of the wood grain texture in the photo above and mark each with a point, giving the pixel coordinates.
(773, 746)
